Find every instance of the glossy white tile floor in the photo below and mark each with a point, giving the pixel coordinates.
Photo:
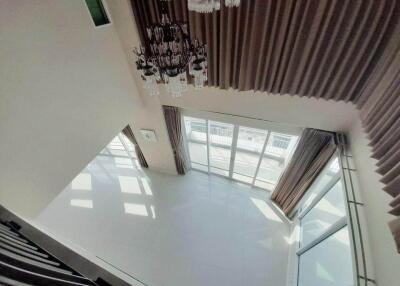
(172, 230)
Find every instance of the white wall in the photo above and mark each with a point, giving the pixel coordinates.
(283, 109)
(65, 91)
(159, 154)
(386, 260)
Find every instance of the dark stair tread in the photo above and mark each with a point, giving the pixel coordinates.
(12, 282)
(16, 239)
(33, 262)
(6, 239)
(28, 254)
(22, 247)
(2, 225)
(24, 275)
(42, 271)
(9, 232)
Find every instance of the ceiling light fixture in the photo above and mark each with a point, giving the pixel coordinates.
(170, 55)
(208, 6)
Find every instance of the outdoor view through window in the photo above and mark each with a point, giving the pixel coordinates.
(251, 155)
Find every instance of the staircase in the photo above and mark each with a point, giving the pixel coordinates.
(22, 262)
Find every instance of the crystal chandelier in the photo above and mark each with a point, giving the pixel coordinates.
(207, 6)
(170, 55)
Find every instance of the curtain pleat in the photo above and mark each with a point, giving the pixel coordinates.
(314, 150)
(395, 204)
(129, 134)
(174, 126)
(342, 50)
(318, 48)
(380, 115)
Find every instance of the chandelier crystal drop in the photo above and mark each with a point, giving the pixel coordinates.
(170, 56)
(204, 6)
(208, 6)
(232, 3)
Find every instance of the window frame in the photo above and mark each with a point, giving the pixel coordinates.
(106, 11)
(238, 121)
(334, 228)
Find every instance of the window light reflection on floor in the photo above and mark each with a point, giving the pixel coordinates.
(146, 187)
(138, 165)
(82, 203)
(135, 209)
(129, 185)
(153, 212)
(266, 210)
(124, 163)
(294, 236)
(82, 182)
(266, 243)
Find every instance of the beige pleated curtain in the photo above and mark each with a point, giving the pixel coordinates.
(173, 121)
(344, 50)
(314, 150)
(380, 116)
(319, 48)
(129, 134)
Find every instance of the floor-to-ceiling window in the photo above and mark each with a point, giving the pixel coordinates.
(324, 249)
(250, 145)
(275, 157)
(197, 139)
(255, 156)
(220, 144)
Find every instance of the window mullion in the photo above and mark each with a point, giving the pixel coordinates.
(233, 149)
(122, 139)
(327, 233)
(185, 140)
(261, 157)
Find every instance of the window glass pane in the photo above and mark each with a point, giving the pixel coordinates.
(97, 12)
(129, 145)
(196, 135)
(249, 147)
(275, 158)
(116, 148)
(329, 263)
(220, 136)
(324, 214)
(329, 173)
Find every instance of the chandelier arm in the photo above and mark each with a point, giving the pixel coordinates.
(171, 55)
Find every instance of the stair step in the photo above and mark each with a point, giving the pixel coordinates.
(12, 282)
(27, 254)
(9, 232)
(7, 238)
(3, 226)
(24, 248)
(13, 238)
(26, 277)
(33, 262)
(40, 269)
